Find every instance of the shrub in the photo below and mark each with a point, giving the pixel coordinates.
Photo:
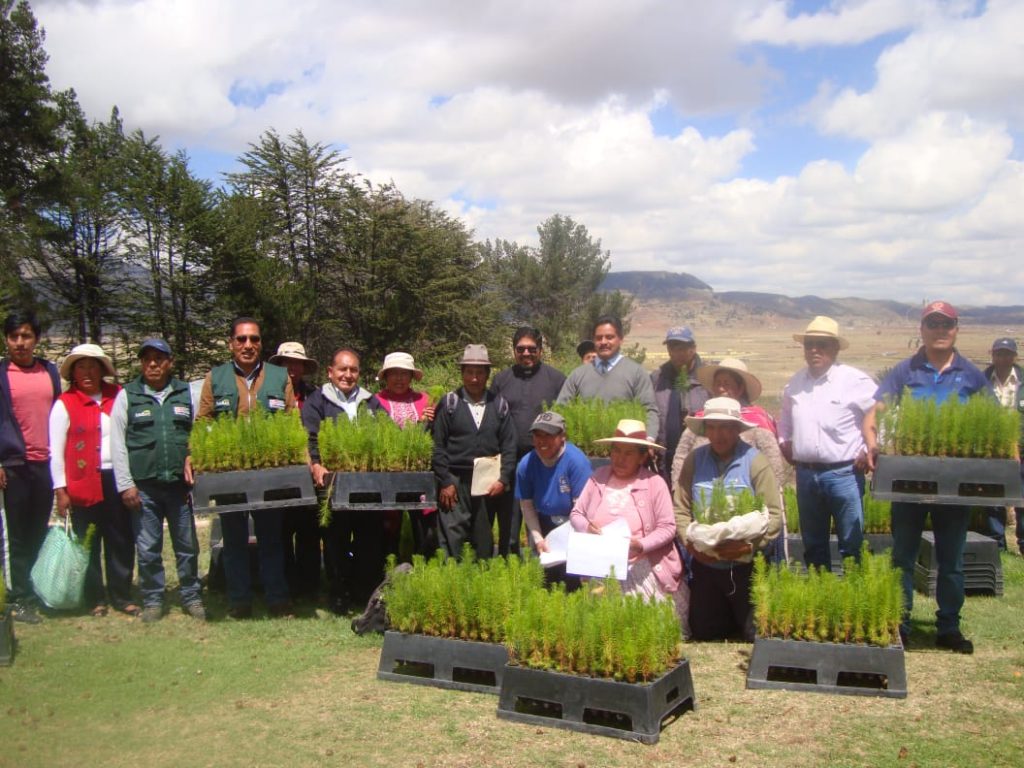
(374, 443)
(877, 513)
(789, 504)
(596, 631)
(863, 607)
(258, 440)
(590, 419)
(979, 428)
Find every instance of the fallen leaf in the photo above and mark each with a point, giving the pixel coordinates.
(903, 753)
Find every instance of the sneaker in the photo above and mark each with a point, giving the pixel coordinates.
(240, 612)
(196, 611)
(152, 613)
(26, 614)
(282, 610)
(955, 642)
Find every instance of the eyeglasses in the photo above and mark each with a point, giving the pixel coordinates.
(817, 343)
(934, 324)
(522, 349)
(251, 339)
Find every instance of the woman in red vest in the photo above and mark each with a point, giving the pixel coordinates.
(83, 476)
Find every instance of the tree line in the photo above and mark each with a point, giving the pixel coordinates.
(109, 237)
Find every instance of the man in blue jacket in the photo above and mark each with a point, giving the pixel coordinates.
(1007, 381)
(28, 387)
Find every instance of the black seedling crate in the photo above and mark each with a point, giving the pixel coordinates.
(245, 490)
(939, 480)
(354, 491)
(461, 665)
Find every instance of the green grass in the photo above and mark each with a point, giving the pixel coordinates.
(303, 692)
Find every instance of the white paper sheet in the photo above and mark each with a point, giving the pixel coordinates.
(558, 546)
(592, 554)
(486, 472)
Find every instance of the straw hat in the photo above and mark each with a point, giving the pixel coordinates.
(718, 409)
(822, 327)
(293, 350)
(86, 350)
(401, 361)
(706, 376)
(633, 432)
(475, 354)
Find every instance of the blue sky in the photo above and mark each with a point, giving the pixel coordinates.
(759, 144)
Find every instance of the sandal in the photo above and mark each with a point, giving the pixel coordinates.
(99, 610)
(131, 609)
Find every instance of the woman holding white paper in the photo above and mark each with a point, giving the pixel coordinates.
(627, 491)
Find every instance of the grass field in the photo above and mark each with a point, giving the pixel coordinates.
(298, 692)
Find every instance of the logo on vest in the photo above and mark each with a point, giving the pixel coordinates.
(183, 410)
(275, 403)
(143, 414)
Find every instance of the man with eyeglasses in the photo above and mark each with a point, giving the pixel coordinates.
(823, 409)
(939, 372)
(243, 385)
(526, 386)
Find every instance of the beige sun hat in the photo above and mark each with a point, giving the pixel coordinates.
(293, 350)
(401, 361)
(86, 350)
(822, 327)
(706, 376)
(633, 432)
(475, 354)
(719, 409)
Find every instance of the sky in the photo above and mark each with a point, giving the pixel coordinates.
(849, 148)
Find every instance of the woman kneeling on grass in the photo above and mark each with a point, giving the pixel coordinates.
(82, 468)
(627, 490)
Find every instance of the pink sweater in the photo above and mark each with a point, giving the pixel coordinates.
(653, 503)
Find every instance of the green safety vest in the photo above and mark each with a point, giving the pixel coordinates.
(223, 381)
(157, 433)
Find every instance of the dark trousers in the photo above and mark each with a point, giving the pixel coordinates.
(28, 502)
(355, 549)
(470, 520)
(720, 602)
(300, 529)
(510, 517)
(114, 534)
(424, 532)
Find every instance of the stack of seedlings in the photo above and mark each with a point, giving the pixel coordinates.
(864, 607)
(721, 505)
(374, 443)
(590, 419)
(257, 440)
(979, 428)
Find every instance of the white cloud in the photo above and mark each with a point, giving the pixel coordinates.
(841, 23)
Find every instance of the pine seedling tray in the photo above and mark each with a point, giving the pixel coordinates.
(354, 491)
(441, 662)
(943, 480)
(246, 490)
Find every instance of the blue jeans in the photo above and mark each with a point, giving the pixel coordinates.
(949, 524)
(235, 527)
(166, 501)
(997, 522)
(823, 495)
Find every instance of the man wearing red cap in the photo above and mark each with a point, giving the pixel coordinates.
(939, 372)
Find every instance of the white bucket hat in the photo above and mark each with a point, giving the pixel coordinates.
(718, 409)
(86, 350)
(293, 350)
(706, 376)
(822, 327)
(633, 432)
(401, 361)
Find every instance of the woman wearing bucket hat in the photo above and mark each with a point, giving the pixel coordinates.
(407, 408)
(720, 582)
(626, 490)
(731, 378)
(83, 476)
(291, 355)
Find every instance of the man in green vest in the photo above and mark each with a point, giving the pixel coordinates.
(150, 424)
(236, 388)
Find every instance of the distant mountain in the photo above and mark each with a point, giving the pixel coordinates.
(681, 287)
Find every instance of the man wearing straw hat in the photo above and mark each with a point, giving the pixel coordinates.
(823, 408)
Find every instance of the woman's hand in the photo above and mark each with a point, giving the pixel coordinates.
(428, 413)
(63, 501)
(538, 541)
(635, 548)
(319, 472)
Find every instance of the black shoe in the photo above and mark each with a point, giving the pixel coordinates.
(282, 610)
(240, 612)
(25, 614)
(955, 642)
(904, 639)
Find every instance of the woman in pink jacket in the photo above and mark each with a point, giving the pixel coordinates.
(627, 490)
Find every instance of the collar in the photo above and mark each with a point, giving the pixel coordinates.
(920, 360)
(251, 376)
(607, 364)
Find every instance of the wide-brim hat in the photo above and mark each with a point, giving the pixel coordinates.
(706, 376)
(822, 327)
(293, 350)
(633, 432)
(82, 351)
(475, 354)
(719, 409)
(401, 361)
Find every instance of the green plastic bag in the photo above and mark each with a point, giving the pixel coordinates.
(59, 573)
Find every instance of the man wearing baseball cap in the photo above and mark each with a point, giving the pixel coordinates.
(1006, 377)
(935, 371)
(677, 392)
(150, 425)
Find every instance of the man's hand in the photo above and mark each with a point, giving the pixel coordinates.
(538, 541)
(3, 479)
(734, 550)
(63, 501)
(319, 472)
(447, 497)
(131, 499)
(496, 489)
(189, 477)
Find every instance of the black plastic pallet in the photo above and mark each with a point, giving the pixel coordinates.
(877, 544)
(354, 491)
(633, 711)
(939, 480)
(245, 490)
(798, 665)
(979, 550)
(460, 665)
(6, 638)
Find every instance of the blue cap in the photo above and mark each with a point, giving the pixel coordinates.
(1005, 343)
(158, 344)
(680, 333)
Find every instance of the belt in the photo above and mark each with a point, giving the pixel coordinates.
(817, 467)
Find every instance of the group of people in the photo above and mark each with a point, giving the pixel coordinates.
(118, 458)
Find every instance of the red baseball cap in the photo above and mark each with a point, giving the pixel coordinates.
(940, 308)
